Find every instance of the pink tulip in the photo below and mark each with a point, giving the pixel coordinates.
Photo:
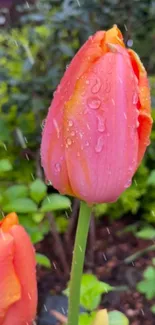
(99, 122)
(18, 290)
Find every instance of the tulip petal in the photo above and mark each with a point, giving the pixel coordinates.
(10, 290)
(103, 114)
(23, 311)
(10, 220)
(145, 120)
(53, 146)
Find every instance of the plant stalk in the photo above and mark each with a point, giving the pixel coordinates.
(77, 263)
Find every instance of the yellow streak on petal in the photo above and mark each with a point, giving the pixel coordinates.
(113, 36)
(144, 89)
(9, 221)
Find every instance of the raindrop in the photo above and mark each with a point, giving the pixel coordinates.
(56, 127)
(45, 307)
(108, 231)
(100, 143)
(25, 139)
(5, 147)
(68, 142)
(88, 127)
(48, 183)
(2, 20)
(54, 265)
(125, 116)
(78, 154)
(135, 99)
(87, 144)
(80, 248)
(63, 310)
(105, 257)
(32, 176)
(87, 82)
(73, 133)
(27, 157)
(97, 86)
(101, 124)
(113, 101)
(130, 168)
(137, 124)
(127, 184)
(43, 124)
(130, 42)
(94, 102)
(57, 167)
(70, 123)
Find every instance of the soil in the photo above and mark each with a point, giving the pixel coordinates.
(108, 246)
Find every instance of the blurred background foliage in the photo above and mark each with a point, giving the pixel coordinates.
(37, 42)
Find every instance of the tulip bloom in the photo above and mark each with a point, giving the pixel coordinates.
(18, 290)
(99, 122)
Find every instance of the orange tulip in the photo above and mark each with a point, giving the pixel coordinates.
(99, 123)
(18, 290)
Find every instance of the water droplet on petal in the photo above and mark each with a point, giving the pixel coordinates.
(97, 86)
(78, 154)
(94, 102)
(57, 167)
(101, 124)
(68, 142)
(128, 183)
(113, 101)
(56, 127)
(43, 124)
(73, 133)
(87, 82)
(70, 123)
(135, 99)
(125, 116)
(87, 144)
(100, 143)
(137, 124)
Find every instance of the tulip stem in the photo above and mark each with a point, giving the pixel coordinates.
(77, 263)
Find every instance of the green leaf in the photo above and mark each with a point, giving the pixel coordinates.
(38, 190)
(43, 260)
(147, 286)
(54, 202)
(36, 237)
(16, 191)
(91, 291)
(117, 318)
(61, 224)
(38, 217)
(153, 309)
(20, 205)
(5, 165)
(147, 232)
(86, 319)
(151, 179)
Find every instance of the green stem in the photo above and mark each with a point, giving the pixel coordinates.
(77, 263)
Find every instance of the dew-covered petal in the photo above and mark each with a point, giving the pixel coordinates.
(145, 120)
(103, 110)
